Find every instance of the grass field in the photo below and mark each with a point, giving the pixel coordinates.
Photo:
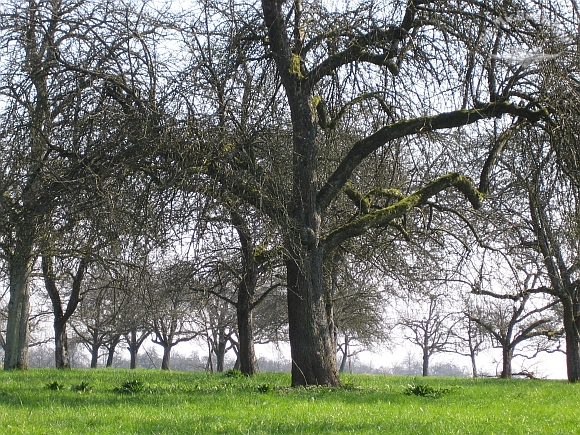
(114, 401)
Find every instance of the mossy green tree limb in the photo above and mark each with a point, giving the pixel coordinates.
(365, 202)
(386, 215)
(457, 118)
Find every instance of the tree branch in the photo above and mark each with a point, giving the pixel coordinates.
(385, 215)
(513, 297)
(363, 148)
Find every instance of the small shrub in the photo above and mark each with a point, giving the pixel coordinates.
(83, 387)
(130, 387)
(425, 390)
(263, 388)
(234, 373)
(55, 386)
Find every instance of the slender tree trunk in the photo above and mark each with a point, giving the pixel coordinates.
(133, 348)
(209, 365)
(572, 328)
(244, 308)
(472, 351)
(111, 350)
(345, 354)
(61, 354)
(425, 362)
(246, 292)
(17, 328)
(220, 351)
(133, 345)
(473, 365)
(166, 357)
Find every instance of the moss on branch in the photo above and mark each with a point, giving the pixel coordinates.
(387, 214)
(365, 202)
(295, 66)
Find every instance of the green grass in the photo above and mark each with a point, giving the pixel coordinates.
(153, 402)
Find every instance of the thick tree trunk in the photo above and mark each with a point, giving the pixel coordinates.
(17, 329)
(310, 317)
(572, 328)
(312, 350)
(61, 354)
(166, 358)
(311, 341)
(507, 355)
(95, 355)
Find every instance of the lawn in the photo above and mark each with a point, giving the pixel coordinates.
(114, 401)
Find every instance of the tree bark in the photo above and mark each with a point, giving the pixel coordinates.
(61, 354)
(111, 350)
(473, 366)
(311, 344)
(425, 362)
(246, 354)
(572, 328)
(246, 294)
(312, 350)
(507, 355)
(17, 328)
(95, 354)
(473, 362)
(166, 357)
(472, 350)
(345, 354)
(134, 352)
(220, 350)
(133, 345)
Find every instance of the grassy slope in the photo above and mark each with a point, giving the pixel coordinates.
(199, 403)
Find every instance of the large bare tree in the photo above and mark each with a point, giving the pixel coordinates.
(313, 48)
(352, 82)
